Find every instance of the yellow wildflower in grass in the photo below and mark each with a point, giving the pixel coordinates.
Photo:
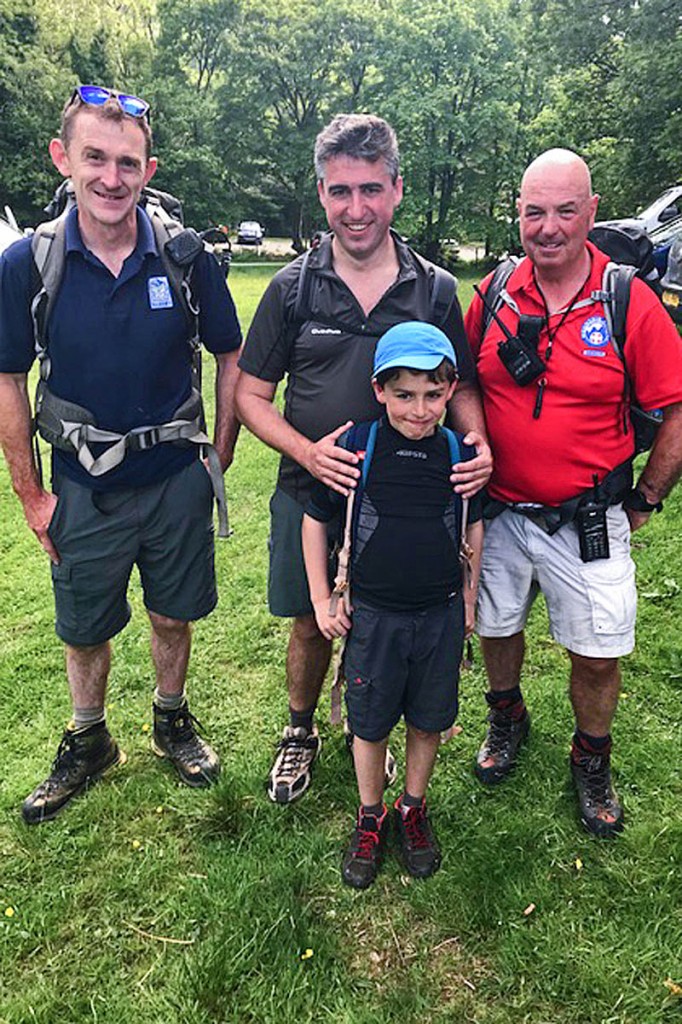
(306, 954)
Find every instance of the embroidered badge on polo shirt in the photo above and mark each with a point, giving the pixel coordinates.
(595, 334)
(160, 296)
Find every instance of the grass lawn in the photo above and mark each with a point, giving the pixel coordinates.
(149, 903)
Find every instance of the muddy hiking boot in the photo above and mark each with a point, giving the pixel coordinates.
(416, 842)
(291, 772)
(499, 751)
(390, 765)
(366, 850)
(600, 809)
(82, 758)
(175, 737)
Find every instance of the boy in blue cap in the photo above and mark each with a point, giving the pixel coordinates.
(413, 599)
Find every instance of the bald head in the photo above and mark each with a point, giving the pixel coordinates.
(557, 165)
(556, 211)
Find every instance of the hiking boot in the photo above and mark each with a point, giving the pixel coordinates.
(600, 809)
(291, 772)
(390, 765)
(417, 843)
(175, 737)
(364, 855)
(499, 750)
(82, 757)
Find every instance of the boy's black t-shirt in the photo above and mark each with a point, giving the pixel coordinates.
(411, 559)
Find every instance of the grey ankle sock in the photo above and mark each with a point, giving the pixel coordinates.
(168, 701)
(83, 718)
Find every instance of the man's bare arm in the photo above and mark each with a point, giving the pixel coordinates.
(466, 413)
(226, 422)
(15, 438)
(334, 466)
(664, 465)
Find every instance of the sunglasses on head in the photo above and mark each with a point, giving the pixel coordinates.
(97, 96)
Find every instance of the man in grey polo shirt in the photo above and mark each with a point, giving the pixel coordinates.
(362, 280)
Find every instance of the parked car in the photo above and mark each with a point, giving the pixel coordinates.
(8, 234)
(664, 209)
(662, 239)
(672, 282)
(250, 232)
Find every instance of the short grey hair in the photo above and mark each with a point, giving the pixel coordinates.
(360, 137)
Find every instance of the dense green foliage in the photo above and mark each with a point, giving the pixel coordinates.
(239, 88)
(149, 903)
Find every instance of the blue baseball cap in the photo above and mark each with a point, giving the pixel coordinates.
(413, 345)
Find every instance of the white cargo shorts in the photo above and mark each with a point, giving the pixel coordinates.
(592, 606)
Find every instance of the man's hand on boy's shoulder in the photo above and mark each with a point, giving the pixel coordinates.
(336, 467)
(469, 477)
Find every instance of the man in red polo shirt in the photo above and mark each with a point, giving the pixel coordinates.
(560, 430)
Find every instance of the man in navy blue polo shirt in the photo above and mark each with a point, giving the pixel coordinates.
(118, 346)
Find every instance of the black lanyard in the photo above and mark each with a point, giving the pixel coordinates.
(551, 334)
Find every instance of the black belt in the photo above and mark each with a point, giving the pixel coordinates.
(551, 518)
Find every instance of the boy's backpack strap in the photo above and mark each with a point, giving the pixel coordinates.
(360, 438)
(496, 292)
(369, 446)
(465, 550)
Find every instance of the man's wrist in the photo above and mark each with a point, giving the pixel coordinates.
(638, 501)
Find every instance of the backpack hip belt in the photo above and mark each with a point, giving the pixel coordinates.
(72, 428)
(550, 518)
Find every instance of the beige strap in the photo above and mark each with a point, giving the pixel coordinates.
(341, 592)
(341, 589)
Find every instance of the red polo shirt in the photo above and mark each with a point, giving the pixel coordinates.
(579, 431)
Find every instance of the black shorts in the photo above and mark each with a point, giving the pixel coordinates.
(403, 663)
(166, 529)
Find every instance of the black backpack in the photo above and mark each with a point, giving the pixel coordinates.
(443, 292)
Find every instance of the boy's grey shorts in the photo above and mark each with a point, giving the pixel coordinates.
(403, 663)
(288, 594)
(165, 529)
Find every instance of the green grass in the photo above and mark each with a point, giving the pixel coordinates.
(147, 902)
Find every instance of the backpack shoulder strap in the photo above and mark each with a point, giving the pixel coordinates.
(494, 292)
(360, 438)
(48, 259)
(178, 266)
(443, 295)
(465, 551)
(616, 287)
(453, 445)
(442, 289)
(301, 310)
(179, 248)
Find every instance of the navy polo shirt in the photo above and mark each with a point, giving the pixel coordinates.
(118, 345)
